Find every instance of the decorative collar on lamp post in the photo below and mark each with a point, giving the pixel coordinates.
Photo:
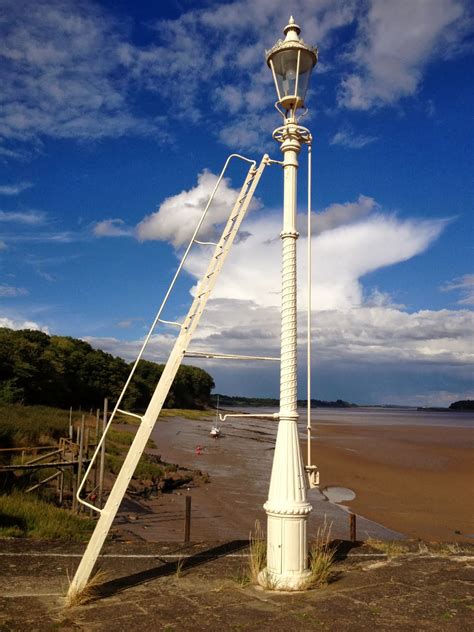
(291, 62)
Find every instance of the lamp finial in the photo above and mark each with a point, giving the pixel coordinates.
(292, 30)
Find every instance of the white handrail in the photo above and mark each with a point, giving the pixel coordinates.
(152, 328)
(308, 317)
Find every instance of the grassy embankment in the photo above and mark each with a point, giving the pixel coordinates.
(33, 515)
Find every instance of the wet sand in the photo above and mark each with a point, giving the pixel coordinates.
(416, 480)
(410, 480)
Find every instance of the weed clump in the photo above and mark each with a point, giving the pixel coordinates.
(83, 595)
(257, 552)
(321, 557)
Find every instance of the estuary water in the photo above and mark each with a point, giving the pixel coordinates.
(370, 416)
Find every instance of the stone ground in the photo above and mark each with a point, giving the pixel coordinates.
(173, 587)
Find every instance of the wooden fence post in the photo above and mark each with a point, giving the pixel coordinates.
(102, 455)
(353, 527)
(187, 520)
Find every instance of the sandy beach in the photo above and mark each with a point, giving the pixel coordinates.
(410, 479)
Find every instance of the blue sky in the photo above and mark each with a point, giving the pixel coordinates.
(115, 118)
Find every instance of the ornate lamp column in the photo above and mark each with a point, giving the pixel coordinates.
(287, 507)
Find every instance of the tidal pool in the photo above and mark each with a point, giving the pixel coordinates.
(338, 494)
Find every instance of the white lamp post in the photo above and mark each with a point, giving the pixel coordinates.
(287, 507)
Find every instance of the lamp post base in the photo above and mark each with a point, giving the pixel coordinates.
(285, 582)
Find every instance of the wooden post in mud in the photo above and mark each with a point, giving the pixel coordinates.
(80, 455)
(187, 520)
(96, 441)
(353, 527)
(102, 455)
(71, 429)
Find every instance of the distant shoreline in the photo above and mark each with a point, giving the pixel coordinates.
(266, 402)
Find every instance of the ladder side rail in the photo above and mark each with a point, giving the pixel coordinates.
(235, 219)
(153, 410)
(155, 321)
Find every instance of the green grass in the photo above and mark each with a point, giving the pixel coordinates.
(257, 552)
(321, 557)
(147, 468)
(24, 515)
(188, 413)
(25, 426)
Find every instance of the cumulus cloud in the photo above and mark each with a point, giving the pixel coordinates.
(465, 286)
(339, 214)
(352, 239)
(394, 43)
(18, 323)
(178, 215)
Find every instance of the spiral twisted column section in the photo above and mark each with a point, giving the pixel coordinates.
(288, 367)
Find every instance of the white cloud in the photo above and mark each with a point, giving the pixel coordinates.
(72, 70)
(218, 51)
(8, 291)
(465, 285)
(30, 218)
(111, 228)
(60, 73)
(178, 215)
(348, 138)
(350, 242)
(395, 41)
(15, 323)
(14, 189)
(339, 214)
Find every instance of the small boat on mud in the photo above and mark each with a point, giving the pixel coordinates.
(215, 430)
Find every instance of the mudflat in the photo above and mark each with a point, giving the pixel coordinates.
(417, 480)
(411, 479)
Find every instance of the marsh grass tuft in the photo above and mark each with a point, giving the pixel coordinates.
(179, 567)
(391, 548)
(257, 552)
(24, 515)
(321, 557)
(83, 595)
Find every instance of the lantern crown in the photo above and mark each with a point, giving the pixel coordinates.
(291, 62)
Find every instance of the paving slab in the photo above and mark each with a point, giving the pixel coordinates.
(170, 587)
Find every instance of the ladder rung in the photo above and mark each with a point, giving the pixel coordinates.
(205, 243)
(170, 322)
(228, 356)
(126, 412)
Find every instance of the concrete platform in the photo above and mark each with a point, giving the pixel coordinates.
(170, 587)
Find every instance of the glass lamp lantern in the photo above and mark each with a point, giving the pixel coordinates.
(291, 62)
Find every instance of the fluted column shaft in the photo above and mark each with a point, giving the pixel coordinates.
(287, 506)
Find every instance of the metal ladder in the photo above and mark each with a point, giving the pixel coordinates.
(187, 329)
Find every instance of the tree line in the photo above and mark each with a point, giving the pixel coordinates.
(61, 371)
